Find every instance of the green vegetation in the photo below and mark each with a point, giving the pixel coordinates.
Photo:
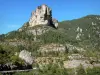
(52, 37)
(7, 54)
(54, 69)
(87, 29)
(50, 69)
(94, 71)
(80, 70)
(16, 60)
(89, 26)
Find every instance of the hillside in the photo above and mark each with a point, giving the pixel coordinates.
(86, 30)
(66, 44)
(83, 32)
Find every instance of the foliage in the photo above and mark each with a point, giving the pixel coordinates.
(90, 31)
(94, 71)
(52, 37)
(16, 60)
(50, 69)
(7, 54)
(4, 55)
(80, 70)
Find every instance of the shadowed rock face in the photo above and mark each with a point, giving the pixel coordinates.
(42, 16)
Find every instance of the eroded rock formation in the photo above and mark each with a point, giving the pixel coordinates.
(42, 16)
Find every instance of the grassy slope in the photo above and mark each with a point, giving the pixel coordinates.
(85, 24)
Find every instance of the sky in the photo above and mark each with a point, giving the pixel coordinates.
(14, 13)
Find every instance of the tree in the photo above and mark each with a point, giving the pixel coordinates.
(80, 70)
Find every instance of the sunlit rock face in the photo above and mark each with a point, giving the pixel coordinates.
(42, 16)
(25, 55)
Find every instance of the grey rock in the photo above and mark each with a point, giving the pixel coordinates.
(25, 55)
(55, 23)
(39, 30)
(42, 16)
(77, 63)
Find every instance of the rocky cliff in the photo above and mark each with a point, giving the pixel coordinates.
(42, 16)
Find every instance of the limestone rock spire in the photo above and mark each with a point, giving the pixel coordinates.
(41, 16)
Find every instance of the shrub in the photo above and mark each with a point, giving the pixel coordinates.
(80, 70)
(94, 71)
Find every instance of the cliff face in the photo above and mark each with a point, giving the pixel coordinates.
(42, 16)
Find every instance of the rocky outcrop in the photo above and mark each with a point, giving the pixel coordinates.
(55, 23)
(52, 48)
(39, 30)
(72, 48)
(25, 55)
(42, 16)
(77, 63)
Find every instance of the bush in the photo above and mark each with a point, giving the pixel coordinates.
(50, 69)
(94, 71)
(80, 70)
(16, 60)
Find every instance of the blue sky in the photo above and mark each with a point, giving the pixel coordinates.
(14, 13)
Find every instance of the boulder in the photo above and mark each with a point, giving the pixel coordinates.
(26, 56)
